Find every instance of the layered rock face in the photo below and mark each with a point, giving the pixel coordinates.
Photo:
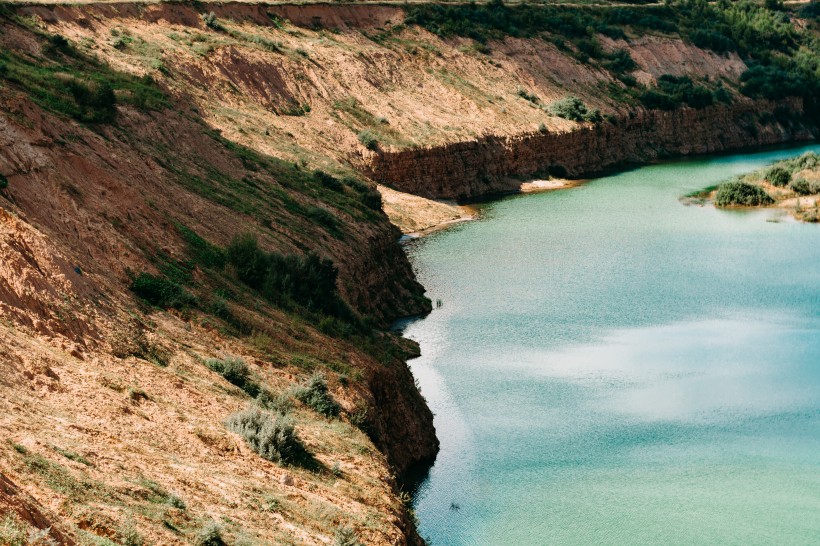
(494, 164)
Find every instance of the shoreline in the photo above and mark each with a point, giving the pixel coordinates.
(795, 195)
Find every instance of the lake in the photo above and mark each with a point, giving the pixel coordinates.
(610, 366)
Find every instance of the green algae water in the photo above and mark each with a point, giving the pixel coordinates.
(609, 366)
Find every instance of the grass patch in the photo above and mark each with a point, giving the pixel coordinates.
(161, 292)
(60, 479)
(71, 456)
(158, 495)
(68, 82)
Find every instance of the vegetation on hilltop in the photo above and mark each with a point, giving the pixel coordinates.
(784, 60)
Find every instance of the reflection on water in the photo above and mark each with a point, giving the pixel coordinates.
(610, 366)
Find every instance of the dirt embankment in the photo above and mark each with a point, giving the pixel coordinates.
(303, 82)
(113, 424)
(497, 164)
(319, 84)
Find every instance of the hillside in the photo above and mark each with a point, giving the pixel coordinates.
(190, 222)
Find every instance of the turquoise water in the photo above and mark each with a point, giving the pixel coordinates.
(609, 366)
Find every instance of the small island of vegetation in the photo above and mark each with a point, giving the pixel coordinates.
(793, 184)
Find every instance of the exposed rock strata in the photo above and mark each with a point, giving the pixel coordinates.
(496, 164)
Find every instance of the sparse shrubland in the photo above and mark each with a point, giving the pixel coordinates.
(782, 58)
(16, 532)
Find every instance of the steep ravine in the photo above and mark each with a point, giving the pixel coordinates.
(493, 164)
(87, 205)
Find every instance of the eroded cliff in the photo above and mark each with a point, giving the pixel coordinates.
(137, 141)
(498, 164)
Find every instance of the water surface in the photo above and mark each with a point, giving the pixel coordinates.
(610, 366)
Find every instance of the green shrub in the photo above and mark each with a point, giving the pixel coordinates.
(250, 262)
(161, 292)
(98, 104)
(308, 281)
(620, 62)
(58, 43)
(323, 217)
(368, 193)
(524, 94)
(810, 11)
(672, 91)
(236, 372)
(345, 536)
(210, 21)
(722, 95)
(280, 403)
(4, 182)
(210, 535)
(740, 193)
(805, 187)
(712, 39)
(809, 160)
(271, 436)
(494, 20)
(574, 109)
(771, 82)
(315, 394)
(778, 176)
(328, 181)
(368, 140)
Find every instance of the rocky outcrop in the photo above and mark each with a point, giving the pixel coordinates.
(493, 164)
